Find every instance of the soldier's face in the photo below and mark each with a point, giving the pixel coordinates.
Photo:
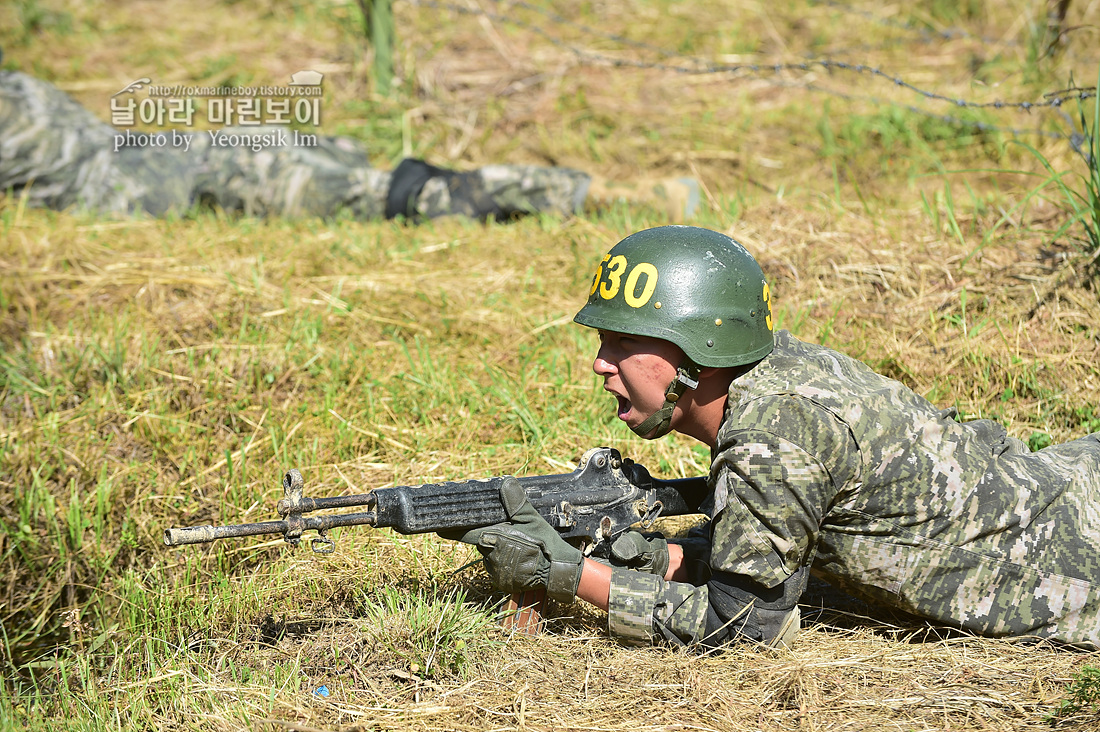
(637, 370)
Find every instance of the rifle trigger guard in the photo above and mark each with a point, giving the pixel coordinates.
(321, 544)
(652, 515)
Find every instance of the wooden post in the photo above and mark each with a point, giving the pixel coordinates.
(379, 26)
(524, 611)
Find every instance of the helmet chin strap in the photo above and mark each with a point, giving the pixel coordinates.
(660, 422)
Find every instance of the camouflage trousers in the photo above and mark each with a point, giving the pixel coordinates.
(56, 154)
(1022, 559)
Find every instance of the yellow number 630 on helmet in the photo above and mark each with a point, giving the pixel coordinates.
(694, 287)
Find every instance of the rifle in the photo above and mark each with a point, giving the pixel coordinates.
(604, 496)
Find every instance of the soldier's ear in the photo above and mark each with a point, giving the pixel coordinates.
(714, 379)
(714, 373)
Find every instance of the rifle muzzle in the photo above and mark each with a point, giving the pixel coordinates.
(189, 535)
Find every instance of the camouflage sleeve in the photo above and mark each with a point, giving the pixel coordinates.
(643, 607)
(773, 487)
(726, 609)
(770, 494)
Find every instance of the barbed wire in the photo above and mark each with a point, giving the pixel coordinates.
(623, 40)
(771, 72)
(704, 66)
(977, 125)
(927, 35)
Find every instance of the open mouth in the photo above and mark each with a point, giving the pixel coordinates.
(624, 406)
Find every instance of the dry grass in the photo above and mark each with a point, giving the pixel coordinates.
(167, 372)
(833, 680)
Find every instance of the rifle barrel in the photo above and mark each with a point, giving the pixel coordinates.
(291, 530)
(203, 534)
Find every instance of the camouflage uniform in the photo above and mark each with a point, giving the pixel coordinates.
(822, 462)
(59, 155)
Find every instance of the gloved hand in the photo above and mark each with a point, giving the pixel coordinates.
(526, 553)
(634, 550)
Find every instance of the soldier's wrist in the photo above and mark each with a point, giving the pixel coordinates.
(563, 578)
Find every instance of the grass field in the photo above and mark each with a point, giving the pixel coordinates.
(159, 373)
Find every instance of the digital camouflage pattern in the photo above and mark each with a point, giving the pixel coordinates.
(514, 189)
(58, 155)
(820, 461)
(642, 607)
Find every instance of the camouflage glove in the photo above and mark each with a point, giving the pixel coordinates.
(526, 553)
(633, 550)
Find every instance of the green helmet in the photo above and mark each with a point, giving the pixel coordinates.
(694, 287)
